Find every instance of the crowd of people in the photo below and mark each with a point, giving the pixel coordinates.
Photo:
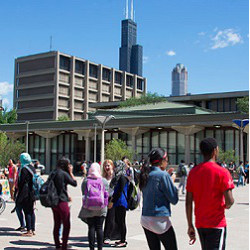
(106, 190)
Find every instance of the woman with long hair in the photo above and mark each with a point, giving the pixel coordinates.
(63, 177)
(94, 208)
(158, 192)
(108, 174)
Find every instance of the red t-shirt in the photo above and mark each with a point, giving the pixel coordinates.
(207, 182)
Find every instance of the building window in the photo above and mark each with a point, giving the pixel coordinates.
(80, 67)
(106, 74)
(129, 81)
(118, 78)
(208, 104)
(93, 71)
(65, 63)
(140, 84)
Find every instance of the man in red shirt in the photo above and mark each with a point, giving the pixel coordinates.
(209, 186)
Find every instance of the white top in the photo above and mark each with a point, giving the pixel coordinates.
(156, 224)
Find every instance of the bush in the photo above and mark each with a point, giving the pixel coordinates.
(227, 156)
(63, 118)
(116, 149)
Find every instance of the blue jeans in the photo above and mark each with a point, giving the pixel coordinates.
(240, 180)
(19, 212)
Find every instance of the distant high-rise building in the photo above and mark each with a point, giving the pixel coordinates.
(179, 80)
(130, 52)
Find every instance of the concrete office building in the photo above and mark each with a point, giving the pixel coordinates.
(179, 80)
(131, 53)
(53, 84)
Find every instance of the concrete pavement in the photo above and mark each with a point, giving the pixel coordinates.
(237, 218)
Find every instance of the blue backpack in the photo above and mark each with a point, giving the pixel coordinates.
(37, 182)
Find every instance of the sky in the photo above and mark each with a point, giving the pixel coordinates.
(211, 38)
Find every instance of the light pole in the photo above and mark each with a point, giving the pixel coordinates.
(103, 119)
(95, 125)
(27, 136)
(241, 124)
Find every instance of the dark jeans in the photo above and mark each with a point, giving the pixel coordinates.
(19, 212)
(168, 239)
(213, 238)
(95, 224)
(61, 214)
(120, 218)
(109, 223)
(28, 209)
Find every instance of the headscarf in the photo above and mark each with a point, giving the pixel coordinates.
(94, 171)
(25, 160)
(120, 169)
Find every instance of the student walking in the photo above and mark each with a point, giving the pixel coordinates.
(25, 196)
(61, 213)
(158, 192)
(182, 172)
(241, 174)
(95, 201)
(12, 177)
(209, 186)
(108, 174)
(120, 183)
(246, 170)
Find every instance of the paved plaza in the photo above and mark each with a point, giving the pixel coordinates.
(237, 218)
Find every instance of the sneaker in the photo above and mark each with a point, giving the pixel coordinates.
(106, 241)
(121, 244)
(33, 232)
(21, 229)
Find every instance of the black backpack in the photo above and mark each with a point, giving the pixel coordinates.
(48, 192)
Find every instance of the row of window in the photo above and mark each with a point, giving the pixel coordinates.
(93, 72)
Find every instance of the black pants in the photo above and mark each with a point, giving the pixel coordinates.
(28, 209)
(168, 239)
(120, 218)
(213, 238)
(109, 223)
(95, 225)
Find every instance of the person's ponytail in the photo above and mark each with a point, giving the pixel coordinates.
(154, 158)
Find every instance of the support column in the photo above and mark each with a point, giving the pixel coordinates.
(48, 155)
(187, 131)
(87, 148)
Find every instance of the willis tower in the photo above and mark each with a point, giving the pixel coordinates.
(130, 59)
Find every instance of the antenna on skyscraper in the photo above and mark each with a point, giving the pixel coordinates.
(132, 10)
(50, 45)
(126, 11)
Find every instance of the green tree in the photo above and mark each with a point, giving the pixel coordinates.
(243, 104)
(9, 149)
(144, 99)
(116, 149)
(228, 156)
(63, 118)
(8, 116)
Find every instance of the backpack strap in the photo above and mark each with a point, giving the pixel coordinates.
(28, 168)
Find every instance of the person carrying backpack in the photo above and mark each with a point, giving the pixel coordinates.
(94, 204)
(26, 197)
(61, 213)
(120, 182)
(182, 172)
(158, 192)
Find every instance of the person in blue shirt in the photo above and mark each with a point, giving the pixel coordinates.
(158, 192)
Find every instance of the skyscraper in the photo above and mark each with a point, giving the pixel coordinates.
(179, 80)
(130, 59)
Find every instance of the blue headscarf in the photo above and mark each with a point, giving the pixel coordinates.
(25, 160)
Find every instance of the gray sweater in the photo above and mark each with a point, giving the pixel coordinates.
(86, 213)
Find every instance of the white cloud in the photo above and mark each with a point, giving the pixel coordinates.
(171, 53)
(145, 59)
(5, 102)
(5, 88)
(202, 33)
(225, 38)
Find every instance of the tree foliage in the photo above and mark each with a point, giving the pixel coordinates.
(144, 99)
(63, 118)
(227, 156)
(116, 149)
(243, 104)
(8, 116)
(9, 149)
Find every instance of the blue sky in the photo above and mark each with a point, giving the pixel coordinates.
(209, 37)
